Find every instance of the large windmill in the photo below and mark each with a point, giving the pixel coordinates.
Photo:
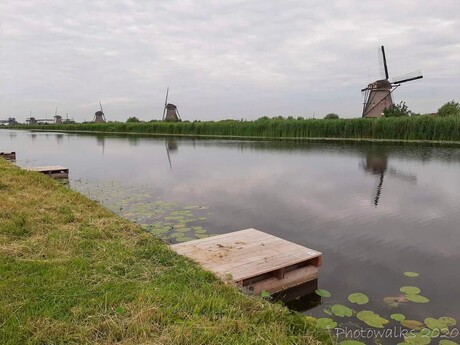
(377, 95)
(170, 110)
(99, 116)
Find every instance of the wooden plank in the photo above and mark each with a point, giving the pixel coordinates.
(50, 168)
(245, 254)
(291, 279)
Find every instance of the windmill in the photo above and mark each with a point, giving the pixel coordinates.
(377, 95)
(57, 118)
(172, 114)
(99, 116)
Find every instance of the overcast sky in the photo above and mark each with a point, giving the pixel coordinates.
(222, 59)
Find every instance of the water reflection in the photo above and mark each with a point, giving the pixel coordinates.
(376, 163)
(171, 147)
(100, 141)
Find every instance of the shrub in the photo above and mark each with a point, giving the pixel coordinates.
(331, 116)
(398, 110)
(449, 109)
(132, 119)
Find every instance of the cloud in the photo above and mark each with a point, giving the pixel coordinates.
(226, 59)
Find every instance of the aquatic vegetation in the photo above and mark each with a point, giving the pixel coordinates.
(417, 298)
(398, 317)
(411, 274)
(371, 319)
(323, 293)
(421, 332)
(358, 298)
(341, 310)
(410, 290)
(326, 323)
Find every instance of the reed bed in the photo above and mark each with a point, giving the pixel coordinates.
(408, 128)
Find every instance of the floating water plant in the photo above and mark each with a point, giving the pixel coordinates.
(358, 298)
(341, 310)
(410, 290)
(371, 319)
(326, 323)
(411, 274)
(323, 293)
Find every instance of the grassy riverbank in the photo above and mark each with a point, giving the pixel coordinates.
(73, 272)
(429, 128)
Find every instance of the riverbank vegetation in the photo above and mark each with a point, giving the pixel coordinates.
(432, 128)
(73, 272)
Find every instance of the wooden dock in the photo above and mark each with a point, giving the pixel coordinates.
(254, 260)
(57, 172)
(8, 155)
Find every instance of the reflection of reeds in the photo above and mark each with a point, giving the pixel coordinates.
(408, 128)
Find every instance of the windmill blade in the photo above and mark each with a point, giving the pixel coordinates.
(167, 93)
(383, 63)
(407, 77)
(55, 113)
(100, 104)
(178, 115)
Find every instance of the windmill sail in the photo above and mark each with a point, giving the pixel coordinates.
(407, 77)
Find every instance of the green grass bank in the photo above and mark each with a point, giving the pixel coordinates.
(416, 128)
(71, 272)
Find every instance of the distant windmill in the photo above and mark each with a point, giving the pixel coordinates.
(377, 95)
(172, 114)
(99, 116)
(57, 118)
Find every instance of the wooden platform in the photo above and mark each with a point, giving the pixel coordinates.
(54, 171)
(255, 260)
(8, 155)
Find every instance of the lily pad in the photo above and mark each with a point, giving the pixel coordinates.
(398, 317)
(411, 274)
(410, 290)
(432, 323)
(417, 339)
(417, 298)
(412, 324)
(326, 323)
(358, 298)
(323, 293)
(341, 310)
(447, 342)
(351, 342)
(448, 321)
(394, 302)
(371, 319)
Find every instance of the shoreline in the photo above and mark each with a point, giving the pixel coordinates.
(252, 138)
(72, 271)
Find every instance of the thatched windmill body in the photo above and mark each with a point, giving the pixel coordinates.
(170, 111)
(377, 95)
(99, 116)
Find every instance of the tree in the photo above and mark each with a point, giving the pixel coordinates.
(132, 119)
(397, 110)
(331, 116)
(449, 109)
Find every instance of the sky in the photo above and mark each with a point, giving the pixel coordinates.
(221, 59)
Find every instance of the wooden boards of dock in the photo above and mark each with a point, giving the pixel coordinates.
(255, 260)
(54, 171)
(8, 155)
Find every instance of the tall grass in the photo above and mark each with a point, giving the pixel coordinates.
(410, 128)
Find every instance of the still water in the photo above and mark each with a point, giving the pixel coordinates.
(374, 210)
